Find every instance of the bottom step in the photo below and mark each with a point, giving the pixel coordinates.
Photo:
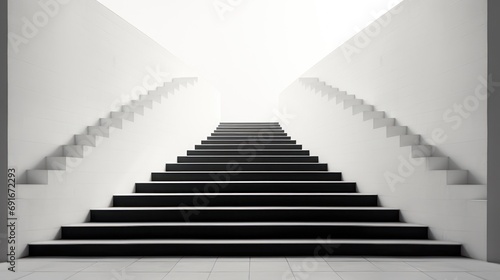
(308, 247)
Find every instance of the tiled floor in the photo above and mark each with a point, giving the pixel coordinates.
(284, 268)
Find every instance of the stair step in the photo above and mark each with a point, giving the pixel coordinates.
(145, 103)
(44, 177)
(383, 122)
(263, 137)
(103, 131)
(246, 176)
(248, 147)
(244, 231)
(254, 126)
(281, 166)
(61, 163)
(373, 115)
(77, 151)
(88, 140)
(212, 186)
(250, 141)
(437, 163)
(250, 131)
(151, 97)
(409, 140)
(234, 247)
(418, 151)
(249, 123)
(343, 97)
(128, 116)
(111, 122)
(133, 108)
(250, 158)
(396, 130)
(456, 177)
(251, 151)
(352, 102)
(244, 214)
(356, 109)
(244, 199)
(247, 134)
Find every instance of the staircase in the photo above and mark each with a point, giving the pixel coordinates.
(246, 190)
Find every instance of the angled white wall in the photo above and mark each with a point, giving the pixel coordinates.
(422, 64)
(64, 75)
(71, 69)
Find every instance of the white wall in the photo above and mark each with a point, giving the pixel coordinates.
(250, 49)
(428, 58)
(75, 69)
(78, 68)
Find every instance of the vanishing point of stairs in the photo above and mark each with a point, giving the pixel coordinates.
(246, 190)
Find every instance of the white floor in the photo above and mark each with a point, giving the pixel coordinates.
(281, 268)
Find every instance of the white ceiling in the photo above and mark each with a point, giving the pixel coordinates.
(250, 49)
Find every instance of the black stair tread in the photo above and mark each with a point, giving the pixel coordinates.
(230, 152)
(246, 156)
(247, 133)
(245, 186)
(248, 146)
(239, 151)
(245, 194)
(249, 172)
(248, 182)
(248, 241)
(247, 166)
(249, 163)
(233, 208)
(202, 224)
(250, 141)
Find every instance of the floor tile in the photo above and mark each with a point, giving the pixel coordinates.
(111, 275)
(30, 266)
(452, 276)
(159, 259)
(233, 259)
(229, 276)
(8, 275)
(394, 266)
(198, 259)
(487, 275)
(353, 266)
(48, 276)
(79, 259)
(475, 265)
(107, 266)
(150, 267)
(384, 276)
(187, 276)
(193, 267)
(271, 275)
(437, 266)
(310, 266)
(414, 259)
(231, 266)
(344, 259)
(269, 266)
(305, 259)
(266, 259)
(316, 276)
(144, 276)
(64, 266)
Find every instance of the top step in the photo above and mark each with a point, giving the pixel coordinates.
(245, 123)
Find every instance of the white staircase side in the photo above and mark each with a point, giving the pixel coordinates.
(436, 164)
(74, 154)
